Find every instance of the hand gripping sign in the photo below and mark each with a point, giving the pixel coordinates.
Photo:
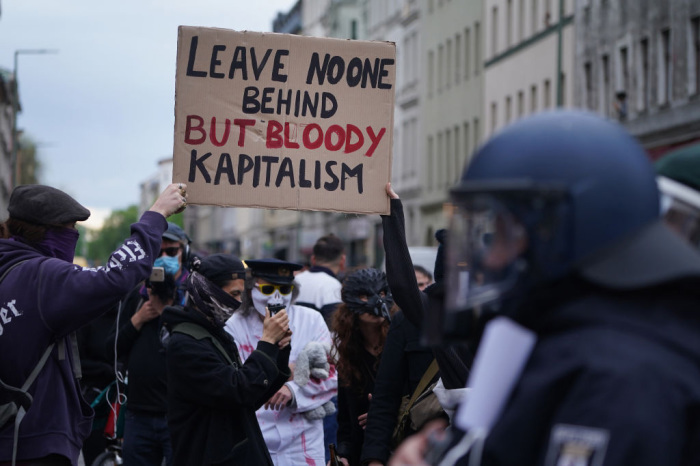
(283, 121)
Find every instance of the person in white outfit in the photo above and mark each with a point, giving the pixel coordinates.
(289, 421)
(319, 287)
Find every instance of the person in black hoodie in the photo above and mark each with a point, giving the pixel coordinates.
(212, 395)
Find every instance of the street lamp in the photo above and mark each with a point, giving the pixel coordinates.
(15, 107)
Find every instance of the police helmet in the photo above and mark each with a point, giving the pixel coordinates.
(539, 201)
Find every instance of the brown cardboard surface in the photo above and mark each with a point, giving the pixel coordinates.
(237, 143)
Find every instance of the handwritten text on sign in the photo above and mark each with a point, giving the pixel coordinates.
(273, 120)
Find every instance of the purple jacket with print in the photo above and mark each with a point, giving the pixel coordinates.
(43, 300)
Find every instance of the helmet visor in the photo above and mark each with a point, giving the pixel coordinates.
(484, 246)
(683, 218)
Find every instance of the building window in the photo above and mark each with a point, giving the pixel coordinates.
(430, 169)
(441, 61)
(694, 48)
(431, 72)
(533, 18)
(547, 13)
(547, 93)
(458, 58)
(467, 54)
(509, 109)
(665, 84)
(448, 64)
(477, 48)
(521, 20)
(406, 151)
(477, 136)
(440, 161)
(588, 83)
(494, 116)
(509, 24)
(412, 149)
(494, 31)
(457, 158)
(605, 87)
(622, 93)
(407, 59)
(533, 98)
(466, 146)
(448, 157)
(521, 103)
(353, 29)
(643, 101)
(562, 90)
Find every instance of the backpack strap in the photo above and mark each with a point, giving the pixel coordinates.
(26, 397)
(9, 269)
(200, 333)
(423, 384)
(77, 366)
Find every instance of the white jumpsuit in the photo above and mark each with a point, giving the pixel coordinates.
(291, 438)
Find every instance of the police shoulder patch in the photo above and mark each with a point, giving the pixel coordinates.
(571, 445)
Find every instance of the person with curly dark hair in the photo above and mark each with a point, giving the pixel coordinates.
(360, 326)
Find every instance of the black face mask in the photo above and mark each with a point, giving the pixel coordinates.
(375, 305)
(210, 299)
(370, 283)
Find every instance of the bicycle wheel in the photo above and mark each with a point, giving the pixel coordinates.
(107, 458)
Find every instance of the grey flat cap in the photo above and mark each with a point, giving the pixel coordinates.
(175, 233)
(44, 205)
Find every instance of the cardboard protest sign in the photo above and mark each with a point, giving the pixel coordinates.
(283, 121)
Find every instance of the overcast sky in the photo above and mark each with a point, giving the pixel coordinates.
(102, 108)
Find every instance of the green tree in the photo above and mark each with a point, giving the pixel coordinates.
(113, 233)
(28, 163)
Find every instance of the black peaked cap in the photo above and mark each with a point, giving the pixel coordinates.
(273, 270)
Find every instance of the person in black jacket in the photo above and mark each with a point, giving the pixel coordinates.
(212, 395)
(557, 242)
(453, 360)
(140, 347)
(360, 327)
(404, 361)
(98, 372)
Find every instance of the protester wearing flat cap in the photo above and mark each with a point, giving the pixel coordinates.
(212, 394)
(293, 436)
(44, 298)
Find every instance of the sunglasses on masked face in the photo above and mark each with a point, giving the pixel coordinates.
(172, 251)
(267, 290)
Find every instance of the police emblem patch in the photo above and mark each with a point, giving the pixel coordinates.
(571, 445)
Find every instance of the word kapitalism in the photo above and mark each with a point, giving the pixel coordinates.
(247, 63)
(349, 138)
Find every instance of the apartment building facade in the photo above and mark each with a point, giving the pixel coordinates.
(529, 63)
(452, 91)
(638, 61)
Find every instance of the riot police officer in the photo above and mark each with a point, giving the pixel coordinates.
(555, 226)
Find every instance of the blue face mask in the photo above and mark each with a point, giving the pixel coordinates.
(170, 264)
